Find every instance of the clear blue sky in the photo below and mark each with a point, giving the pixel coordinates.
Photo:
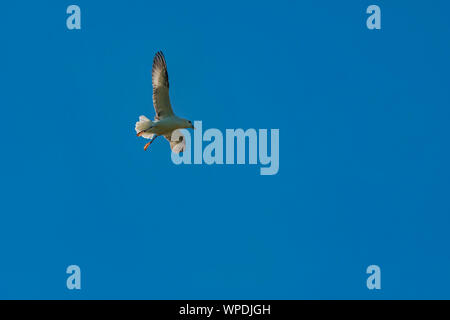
(364, 150)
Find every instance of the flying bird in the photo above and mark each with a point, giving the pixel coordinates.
(165, 123)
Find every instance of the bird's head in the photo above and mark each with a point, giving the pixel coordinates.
(188, 124)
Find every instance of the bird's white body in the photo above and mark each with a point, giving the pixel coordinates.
(167, 125)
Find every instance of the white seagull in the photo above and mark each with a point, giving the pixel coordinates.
(166, 122)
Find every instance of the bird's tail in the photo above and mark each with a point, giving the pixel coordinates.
(142, 125)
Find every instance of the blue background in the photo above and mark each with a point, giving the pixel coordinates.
(364, 157)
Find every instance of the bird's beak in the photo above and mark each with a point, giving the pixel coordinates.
(193, 127)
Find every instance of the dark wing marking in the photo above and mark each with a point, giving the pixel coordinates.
(160, 82)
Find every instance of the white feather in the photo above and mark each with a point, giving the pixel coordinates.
(177, 141)
(144, 124)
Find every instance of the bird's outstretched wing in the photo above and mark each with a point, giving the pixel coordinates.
(177, 141)
(160, 82)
